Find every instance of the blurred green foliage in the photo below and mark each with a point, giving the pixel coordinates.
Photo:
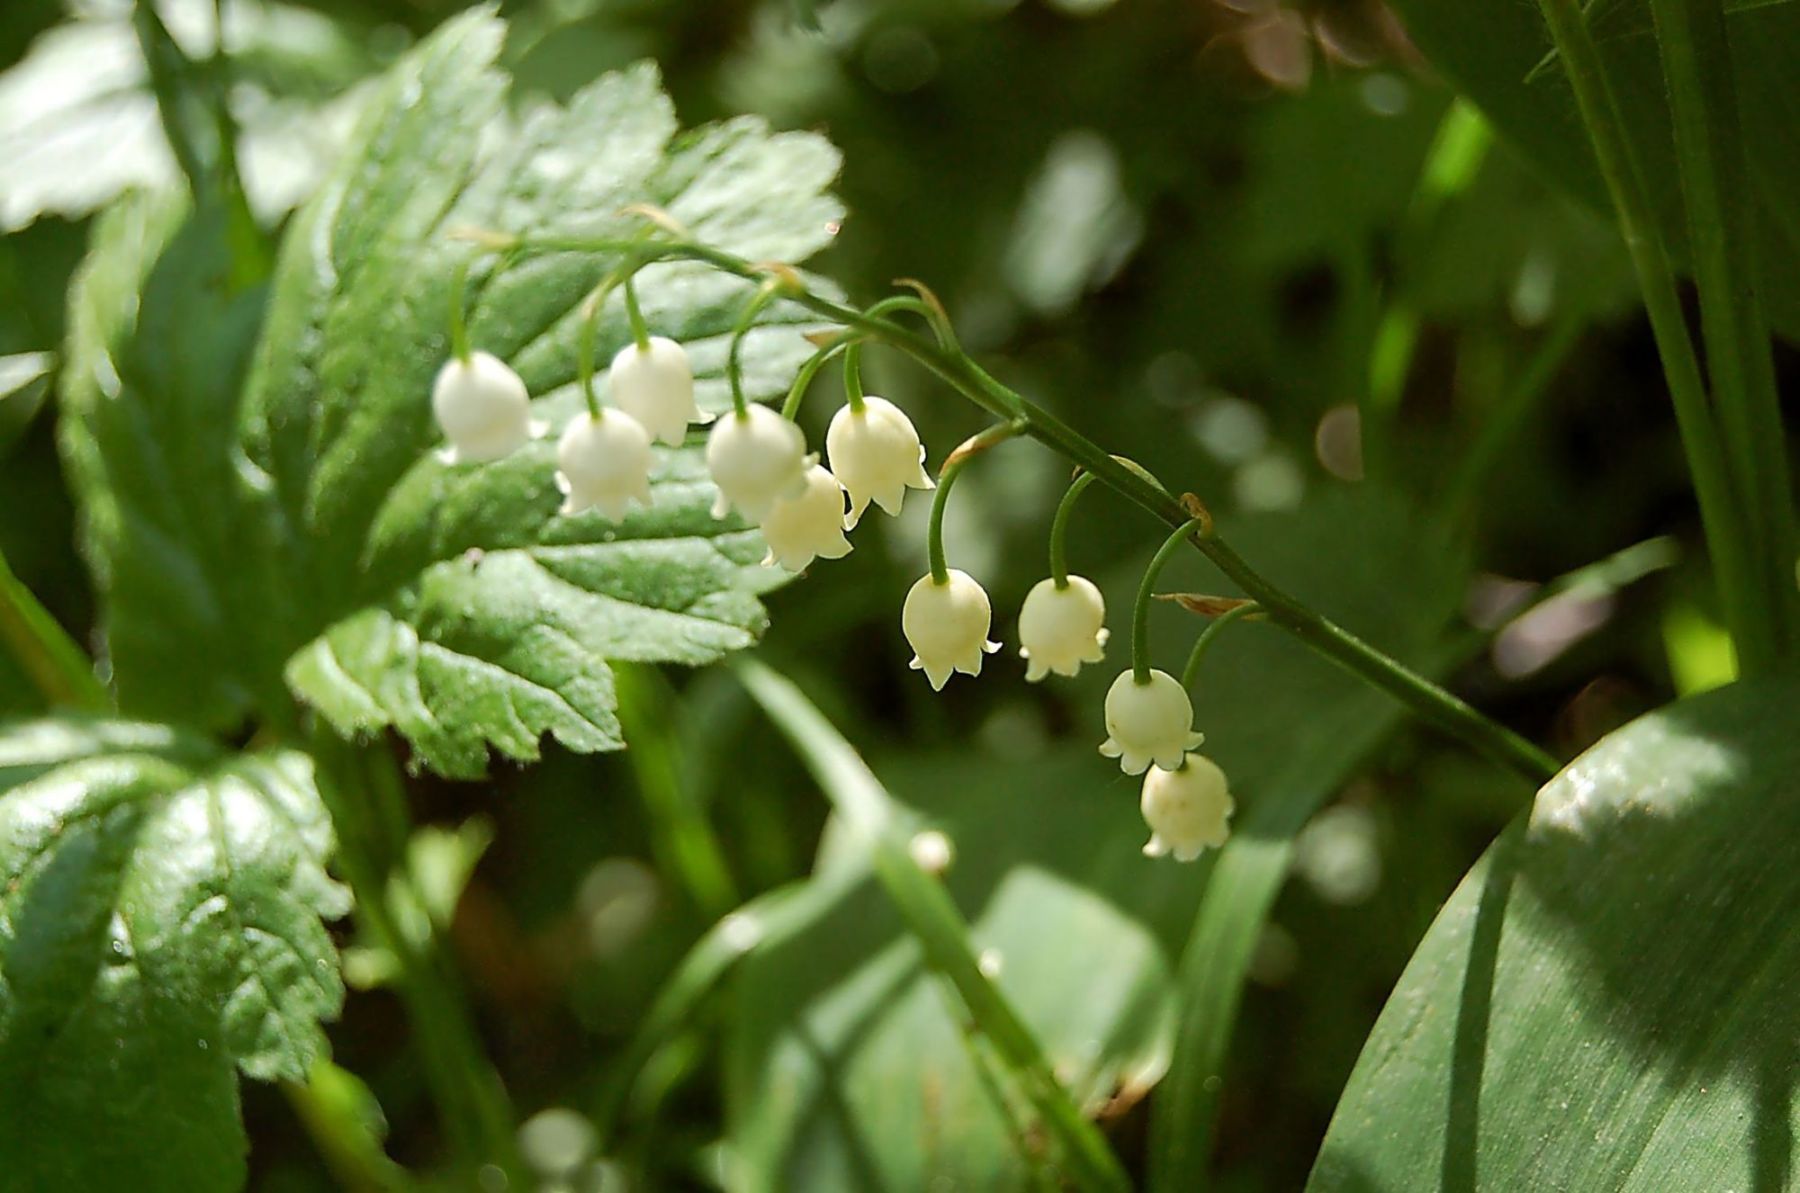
(1181, 226)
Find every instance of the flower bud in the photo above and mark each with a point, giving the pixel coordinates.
(799, 529)
(876, 454)
(947, 625)
(482, 408)
(1061, 628)
(655, 385)
(756, 458)
(603, 463)
(1187, 808)
(1148, 722)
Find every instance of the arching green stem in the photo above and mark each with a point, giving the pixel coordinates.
(804, 378)
(1207, 636)
(1140, 612)
(734, 366)
(1430, 701)
(459, 326)
(953, 466)
(1059, 529)
(853, 386)
(640, 331)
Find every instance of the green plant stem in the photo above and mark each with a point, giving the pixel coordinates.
(459, 319)
(1431, 702)
(734, 358)
(640, 331)
(1140, 612)
(954, 463)
(1059, 529)
(933, 918)
(1209, 635)
(361, 788)
(1728, 535)
(853, 385)
(1715, 179)
(790, 408)
(56, 666)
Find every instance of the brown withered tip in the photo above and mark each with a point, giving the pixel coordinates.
(821, 339)
(926, 294)
(657, 216)
(1209, 606)
(1196, 508)
(487, 238)
(781, 274)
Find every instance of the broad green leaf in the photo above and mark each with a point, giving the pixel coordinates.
(849, 1066)
(454, 603)
(1607, 1002)
(160, 929)
(1289, 728)
(175, 522)
(1491, 53)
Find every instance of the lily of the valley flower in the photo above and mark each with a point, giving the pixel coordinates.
(876, 454)
(1187, 808)
(947, 625)
(655, 385)
(603, 463)
(483, 409)
(800, 529)
(756, 458)
(1148, 722)
(1061, 628)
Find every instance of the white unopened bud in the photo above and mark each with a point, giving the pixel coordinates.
(1148, 722)
(1061, 628)
(603, 463)
(483, 409)
(655, 385)
(1187, 808)
(947, 625)
(876, 454)
(800, 529)
(755, 458)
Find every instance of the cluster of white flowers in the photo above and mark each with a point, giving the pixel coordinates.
(759, 463)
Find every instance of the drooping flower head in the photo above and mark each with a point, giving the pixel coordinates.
(755, 458)
(800, 529)
(1061, 628)
(483, 409)
(655, 385)
(876, 454)
(1148, 722)
(947, 625)
(603, 463)
(1188, 808)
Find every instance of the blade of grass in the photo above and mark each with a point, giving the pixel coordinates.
(1729, 536)
(56, 666)
(869, 811)
(1715, 185)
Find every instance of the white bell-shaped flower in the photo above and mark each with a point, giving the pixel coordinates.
(1187, 809)
(876, 455)
(1061, 628)
(603, 463)
(800, 529)
(483, 409)
(655, 385)
(947, 626)
(756, 458)
(1148, 722)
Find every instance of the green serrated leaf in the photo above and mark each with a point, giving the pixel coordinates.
(455, 604)
(1607, 1002)
(175, 522)
(160, 929)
